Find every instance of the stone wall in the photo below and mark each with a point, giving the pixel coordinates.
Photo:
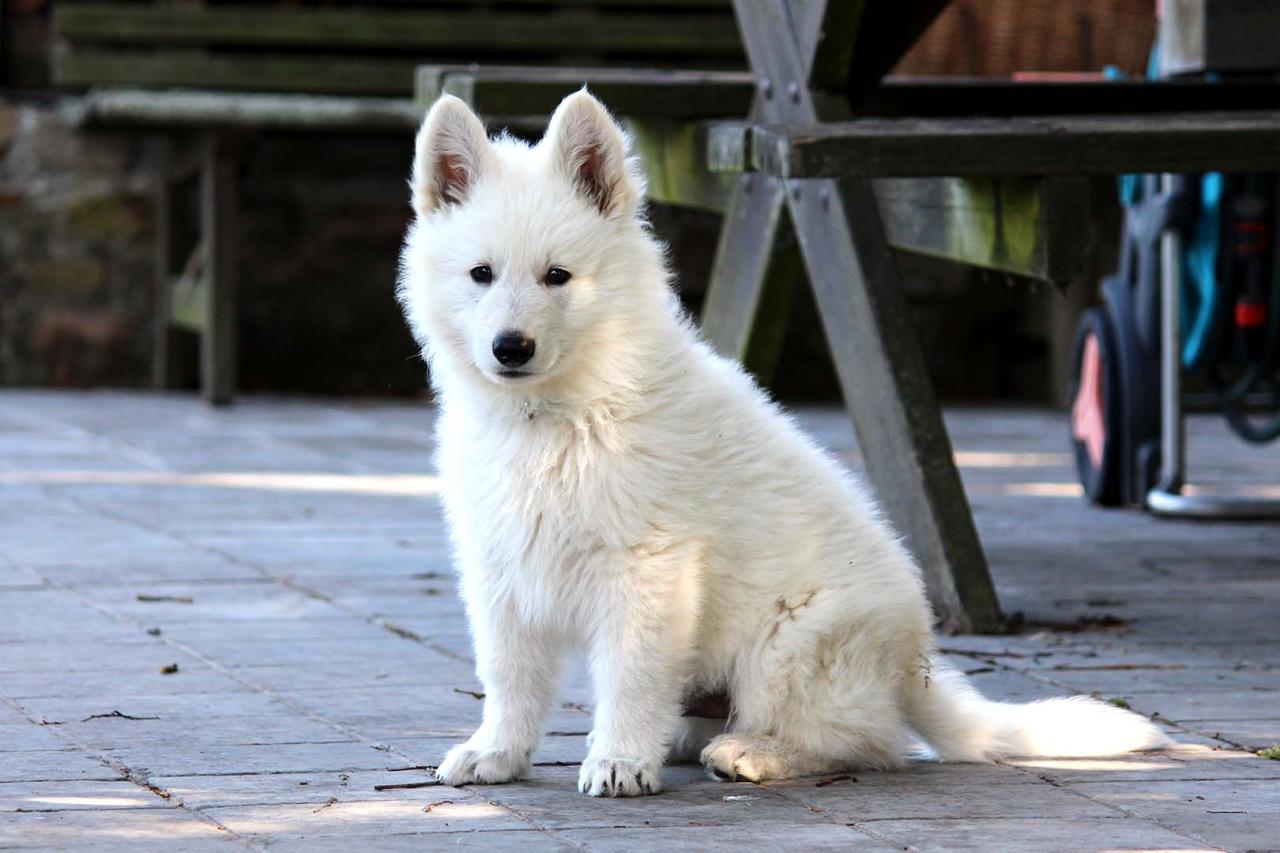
(76, 290)
(321, 223)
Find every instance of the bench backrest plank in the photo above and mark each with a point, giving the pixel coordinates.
(372, 49)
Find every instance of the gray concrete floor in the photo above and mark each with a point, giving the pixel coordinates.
(238, 628)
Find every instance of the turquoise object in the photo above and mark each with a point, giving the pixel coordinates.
(1201, 295)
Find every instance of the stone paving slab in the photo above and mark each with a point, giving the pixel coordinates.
(474, 839)
(112, 829)
(1184, 762)
(816, 837)
(440, 811)
(292, 561)
(276, 788)
(1237, 815)
(92, 795)
(1021, 796)
(1032, 835)
(1250, 734)
(54, 765)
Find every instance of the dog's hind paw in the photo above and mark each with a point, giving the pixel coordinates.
(619, 777)
(465, 765)
(753, 758)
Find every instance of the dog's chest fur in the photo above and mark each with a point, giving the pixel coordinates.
(548, 507)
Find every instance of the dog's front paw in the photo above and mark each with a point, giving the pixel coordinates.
(465, 765)
(619, 777)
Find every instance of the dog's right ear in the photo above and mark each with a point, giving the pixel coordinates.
(450, 154)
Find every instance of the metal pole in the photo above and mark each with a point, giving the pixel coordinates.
(1173, 432)
(1166, 499)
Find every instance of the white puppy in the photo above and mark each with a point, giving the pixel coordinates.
(615, 486)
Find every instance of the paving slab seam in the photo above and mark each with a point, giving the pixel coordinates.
(350, 734)
(1030, 673)
(128, 774)
(1215, 735)
(353, 734)
(151, 460)
(1112, 806)
(859, 827)
(354, 425)
(265, 574)
(139, 455)
(491, 795)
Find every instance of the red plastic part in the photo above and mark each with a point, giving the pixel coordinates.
(1251, 315)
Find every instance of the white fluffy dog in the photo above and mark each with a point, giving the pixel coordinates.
(613, 485)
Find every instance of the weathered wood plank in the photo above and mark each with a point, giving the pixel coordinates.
(656, 105)
(665, 5)
(672, 155)
(247, 73)
(869, 328)
(725, 6)
(935, 97)
(784, 277)
(1050, 145)
(758, 272)
(491, 29)
(523, 90)
(882, 375)
(855, 45)
(1028, 226)
(321, 113)
(1024, 226)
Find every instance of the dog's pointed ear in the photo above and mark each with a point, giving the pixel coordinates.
(450, 154)
(592, 150)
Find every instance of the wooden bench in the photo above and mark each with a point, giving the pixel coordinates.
(771, 150)
(372, 48)
(206, 77)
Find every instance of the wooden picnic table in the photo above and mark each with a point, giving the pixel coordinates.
(808, 162)
(834, 168)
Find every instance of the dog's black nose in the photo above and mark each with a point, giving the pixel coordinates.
(512, 349)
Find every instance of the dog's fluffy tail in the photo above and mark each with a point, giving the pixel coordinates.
(962, 725)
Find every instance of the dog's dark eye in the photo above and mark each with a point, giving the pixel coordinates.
(482, 274)
(557, 276)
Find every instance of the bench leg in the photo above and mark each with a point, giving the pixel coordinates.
(218, 224)
(882, 374)
(754, 279)
(164, 266)
(806, 49)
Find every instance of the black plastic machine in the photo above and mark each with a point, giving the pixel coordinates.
(1196, 296)
(1198, 292)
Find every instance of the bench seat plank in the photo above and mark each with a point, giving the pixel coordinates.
(197, 110)
(1027, 227)
(1045, 145)
(640, 93)
(964, 97)
(1033, 227)
(235, 72)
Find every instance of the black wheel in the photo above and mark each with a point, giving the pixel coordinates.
(1095, 408)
